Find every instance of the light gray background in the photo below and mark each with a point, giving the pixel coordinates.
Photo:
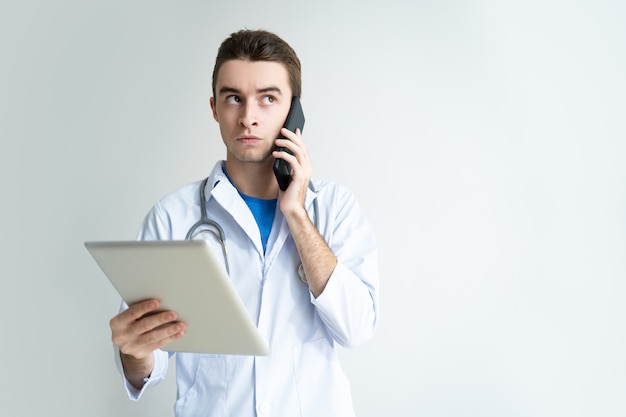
(485, 140)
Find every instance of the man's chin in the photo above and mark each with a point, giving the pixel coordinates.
(255, 159)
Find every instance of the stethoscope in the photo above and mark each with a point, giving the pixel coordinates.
(211, 225)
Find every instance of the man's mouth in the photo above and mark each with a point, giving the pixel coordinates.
(248, 139)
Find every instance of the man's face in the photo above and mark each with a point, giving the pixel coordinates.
(251, 103)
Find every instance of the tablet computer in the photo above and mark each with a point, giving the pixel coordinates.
(187, 277)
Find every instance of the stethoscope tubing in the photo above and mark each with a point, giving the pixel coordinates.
(221, 236)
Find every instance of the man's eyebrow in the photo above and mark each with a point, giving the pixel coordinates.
(229, 90)
(269, 89)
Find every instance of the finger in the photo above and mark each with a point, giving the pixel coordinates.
(298, 150)
(295, 136)
(154, 321)
(289, 134)
(289, 155)
(137, 310)
(140, 345)
(285, 143)
(130, 322)
(158, 338)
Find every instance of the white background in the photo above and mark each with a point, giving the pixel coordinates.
(485, 141)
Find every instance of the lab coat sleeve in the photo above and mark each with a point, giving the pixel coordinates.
(157, 375)
(348, 306)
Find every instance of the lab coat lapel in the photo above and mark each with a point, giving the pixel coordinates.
(280, 230)
(226, 195)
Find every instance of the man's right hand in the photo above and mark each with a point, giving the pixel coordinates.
(138, 331)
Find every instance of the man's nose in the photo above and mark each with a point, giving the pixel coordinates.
(248, 116)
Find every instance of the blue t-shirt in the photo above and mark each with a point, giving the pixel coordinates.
(263, 212)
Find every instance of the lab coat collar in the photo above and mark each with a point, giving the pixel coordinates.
(225, 193)
(218, 175)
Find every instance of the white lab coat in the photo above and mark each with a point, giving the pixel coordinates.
(302, 375)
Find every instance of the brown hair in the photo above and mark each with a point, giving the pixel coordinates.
(260, 45)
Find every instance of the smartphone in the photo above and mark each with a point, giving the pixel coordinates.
(295, 120)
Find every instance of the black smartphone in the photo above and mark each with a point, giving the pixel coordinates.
(295, 120)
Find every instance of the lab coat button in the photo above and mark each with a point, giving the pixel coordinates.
(264, 409)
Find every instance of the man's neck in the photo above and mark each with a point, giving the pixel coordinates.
(254, 179)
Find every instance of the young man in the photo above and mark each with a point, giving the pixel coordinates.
(303, 316)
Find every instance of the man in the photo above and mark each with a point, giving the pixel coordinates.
(270, 234)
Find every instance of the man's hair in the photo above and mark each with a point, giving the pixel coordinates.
(260, 45)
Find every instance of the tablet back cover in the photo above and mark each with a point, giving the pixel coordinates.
(187, 278)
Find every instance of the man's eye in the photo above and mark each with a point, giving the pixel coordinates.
(233, 100)
(267, 100)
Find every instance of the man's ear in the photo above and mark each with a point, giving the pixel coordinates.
(213, 109)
